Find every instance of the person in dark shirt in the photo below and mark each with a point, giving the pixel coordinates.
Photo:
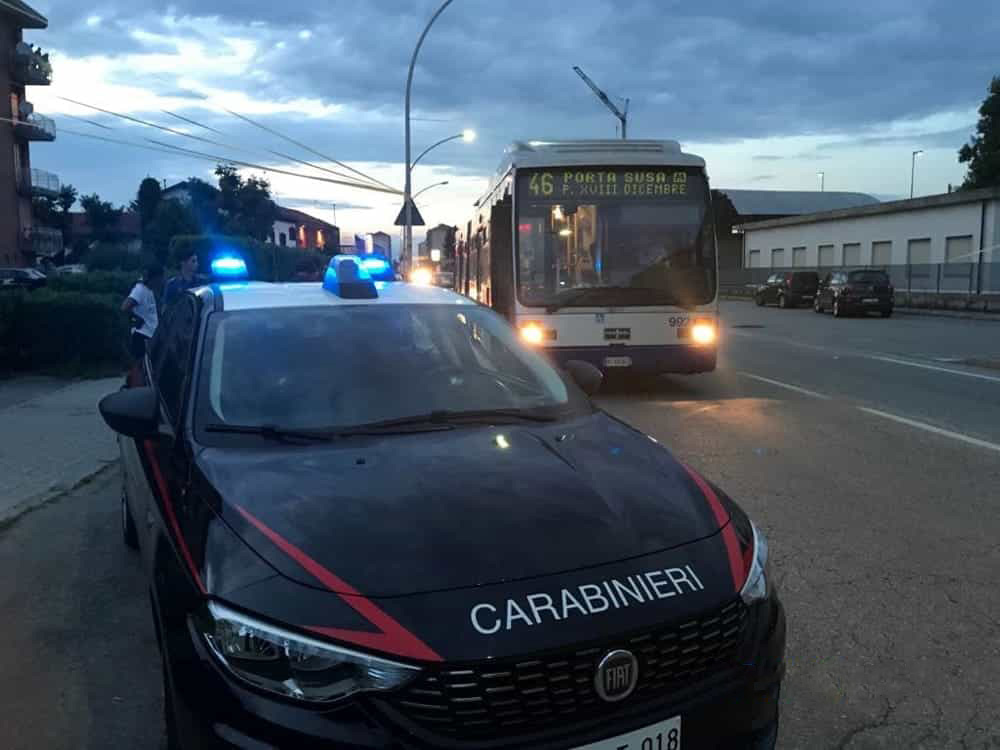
(186, 280)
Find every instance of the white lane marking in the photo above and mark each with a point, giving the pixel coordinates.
(804, 391)
(949, 370)
(931, 428)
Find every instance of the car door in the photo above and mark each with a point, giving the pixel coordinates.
(168, 455)
(769, 292)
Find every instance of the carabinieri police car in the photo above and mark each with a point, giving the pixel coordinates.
(372, 518)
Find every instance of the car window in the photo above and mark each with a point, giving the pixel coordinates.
(170, 369)
(869, 277)
(348, 365)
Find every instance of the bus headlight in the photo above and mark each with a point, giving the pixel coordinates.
(532, 333)
(421, 276)
(703, 333)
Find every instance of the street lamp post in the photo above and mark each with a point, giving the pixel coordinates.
(913, 168)
(407, 197)
(822, 181)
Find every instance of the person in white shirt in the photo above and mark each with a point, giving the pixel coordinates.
(141, 304)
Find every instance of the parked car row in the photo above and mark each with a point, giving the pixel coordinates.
(843, 292)
(21, 278)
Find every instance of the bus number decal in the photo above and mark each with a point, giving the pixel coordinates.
(680, 322)
(541, 184)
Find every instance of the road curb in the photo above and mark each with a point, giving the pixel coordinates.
(14, 513)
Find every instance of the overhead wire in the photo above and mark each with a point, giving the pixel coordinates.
(174, 150)
(311, 150)
(209, 141)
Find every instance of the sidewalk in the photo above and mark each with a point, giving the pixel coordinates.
(51, 442)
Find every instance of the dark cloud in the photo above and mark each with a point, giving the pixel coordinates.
(713, 71)
(939, 139)
(767, 157)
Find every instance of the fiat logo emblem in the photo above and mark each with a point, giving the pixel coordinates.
(616, 676)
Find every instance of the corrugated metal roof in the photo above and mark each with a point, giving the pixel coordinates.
(28, 16)
(793, 202)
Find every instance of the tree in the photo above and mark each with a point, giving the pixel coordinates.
(102, 217)
(204, 204)
(172, 218)
(43, 210)
(65, 201)
(982, 153)
(256, 209)
(147, 200)
(246, 205)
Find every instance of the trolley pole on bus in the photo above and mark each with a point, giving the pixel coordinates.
(407, 197)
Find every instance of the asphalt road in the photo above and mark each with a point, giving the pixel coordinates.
(883, 527)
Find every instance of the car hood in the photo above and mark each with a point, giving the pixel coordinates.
(436, 511)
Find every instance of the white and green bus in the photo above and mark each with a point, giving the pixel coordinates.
(602, 251)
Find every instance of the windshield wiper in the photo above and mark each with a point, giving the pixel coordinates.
(446, 420)
(575, 295)
(272, 432)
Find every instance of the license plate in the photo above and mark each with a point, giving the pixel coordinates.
(870, 300)
(617, 361)
(663, 736)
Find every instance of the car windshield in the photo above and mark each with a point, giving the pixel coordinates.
(338, 367)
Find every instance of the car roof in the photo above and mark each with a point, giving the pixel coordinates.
(257, 295)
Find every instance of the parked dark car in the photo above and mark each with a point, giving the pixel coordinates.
(21, 278)
(788, 289)
(860, 291)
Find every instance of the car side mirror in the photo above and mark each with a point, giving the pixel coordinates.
(585, 375)
(133, 412)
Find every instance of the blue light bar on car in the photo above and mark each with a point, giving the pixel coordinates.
(378, 268)
(229, 267)
(347, 277)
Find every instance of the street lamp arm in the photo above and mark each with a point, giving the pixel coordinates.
(434, 146)
(424, 190)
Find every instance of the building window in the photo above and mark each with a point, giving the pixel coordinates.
(958, 249)
(958, 258)
(918, 257)
(753, 260)
(302, 237)
(778, 257)
(827, 256)
(282, 240)
(852, 253)
(798, 257)
(882, 254)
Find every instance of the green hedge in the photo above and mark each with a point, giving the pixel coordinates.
(119, 283)
(264, 262)
(71, 332)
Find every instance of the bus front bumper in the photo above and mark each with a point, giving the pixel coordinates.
(685, 359)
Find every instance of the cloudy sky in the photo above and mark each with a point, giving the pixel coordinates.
(770, 93)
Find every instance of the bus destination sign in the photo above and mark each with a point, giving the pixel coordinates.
(617, 183)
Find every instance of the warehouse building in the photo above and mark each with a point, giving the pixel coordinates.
(941, 243)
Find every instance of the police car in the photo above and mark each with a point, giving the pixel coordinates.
(371, 518)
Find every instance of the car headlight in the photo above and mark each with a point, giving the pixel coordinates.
(295, 665)
(755, 589)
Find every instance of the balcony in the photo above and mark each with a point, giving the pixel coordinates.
(45, 241)
(34, 127)
(38, 182)
(30, 67)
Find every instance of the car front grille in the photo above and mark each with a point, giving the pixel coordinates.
(508, 697)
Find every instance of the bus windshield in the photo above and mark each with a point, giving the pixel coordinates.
(614, 236)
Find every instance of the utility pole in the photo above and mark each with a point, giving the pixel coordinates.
(621, 115)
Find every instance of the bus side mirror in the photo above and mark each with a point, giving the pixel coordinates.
(585, 375)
